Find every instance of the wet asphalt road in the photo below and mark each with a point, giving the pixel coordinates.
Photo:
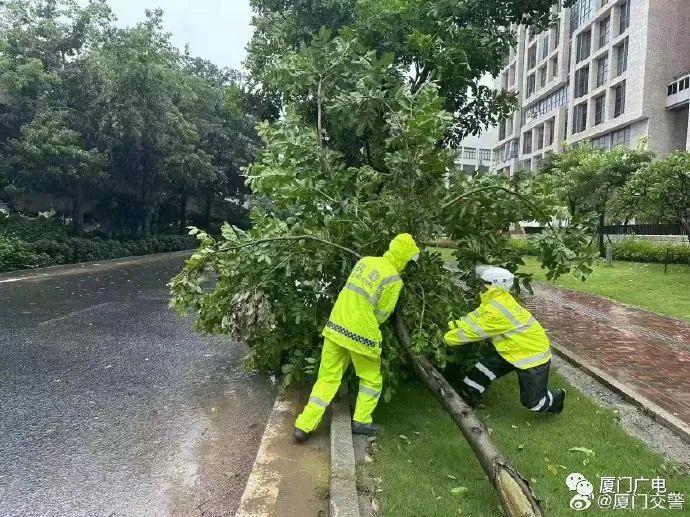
(110, 405)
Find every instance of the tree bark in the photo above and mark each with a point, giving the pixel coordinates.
(183, 213)
(513, 490)
(208, 210)
(77, 212)
(602, 249)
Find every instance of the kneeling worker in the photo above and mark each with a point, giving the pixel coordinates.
(519, 344)
(352, 334)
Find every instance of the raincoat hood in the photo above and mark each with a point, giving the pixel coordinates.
(401, 250)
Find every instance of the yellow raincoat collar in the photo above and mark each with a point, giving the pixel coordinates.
(492, 293)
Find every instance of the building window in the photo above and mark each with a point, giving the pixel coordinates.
(527, 143)
(545, 46)
(469, 153)
(673, 89)
(599, 107)
(556, 34)
(502, 129)
(621, 137)
(622, 57)
(511, 76)
(624, 17)
(540, 137)
(684, 84)
(554, 66)
(602, 142)
(530, 85)
(514, 149)
(602, 70)
(584, 44)
(604, 31)
(581, 81)
(580, 12)
(619, 100)
(542, 76)
(485, 154)
(532, 57)
(580, 118)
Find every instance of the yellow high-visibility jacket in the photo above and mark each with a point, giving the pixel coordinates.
(516, 335)
(369, 298)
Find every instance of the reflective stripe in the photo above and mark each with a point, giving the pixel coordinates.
(462, 336)
(534, 358)
(485, 371)
(351, 335)
(477, 328)
(540, 405)
(382, 314)
(369, 391)
(550, 398)
(318, 401)
(519, 330)
(504, 310)
(473, 384)
(384, 283)
(361, 292)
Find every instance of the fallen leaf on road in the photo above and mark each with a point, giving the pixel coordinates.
(458, 490)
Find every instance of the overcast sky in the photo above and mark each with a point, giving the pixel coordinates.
(217, 30)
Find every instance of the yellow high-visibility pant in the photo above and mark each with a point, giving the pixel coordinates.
(334, 361)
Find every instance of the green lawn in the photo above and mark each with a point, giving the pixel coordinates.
(419, 471)
(642, 285)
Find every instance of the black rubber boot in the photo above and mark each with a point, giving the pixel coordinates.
(558, 402)
(368, 429)
(299, 435)
(471, 399)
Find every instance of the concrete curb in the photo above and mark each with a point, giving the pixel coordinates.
(656, 412)
(344, 501)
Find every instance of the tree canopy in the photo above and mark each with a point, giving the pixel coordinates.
(358, 157)
(162, 126)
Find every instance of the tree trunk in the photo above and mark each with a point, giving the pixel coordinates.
(183, 213)
(208, 211)
(602, 249)
(513, 490)
(685, 222)
(77, 212)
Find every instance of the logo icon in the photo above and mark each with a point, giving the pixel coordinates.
(582, 500)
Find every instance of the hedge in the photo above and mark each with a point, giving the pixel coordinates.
(16, 253)
(630, 250)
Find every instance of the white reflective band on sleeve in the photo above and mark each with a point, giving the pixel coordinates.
(485, 371)
(540, 405)
(369, 391)
(318, 401)
(382, 314)
(463, 337)
(384, 283)
(550, 398)
(509, 315)
(477, 329)
(532, 359)
(473, 384)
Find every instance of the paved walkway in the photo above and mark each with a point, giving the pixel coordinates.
(647, 353)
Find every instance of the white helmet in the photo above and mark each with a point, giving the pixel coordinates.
(495, 276)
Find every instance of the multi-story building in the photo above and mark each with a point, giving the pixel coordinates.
(608, 72)
(474, 154)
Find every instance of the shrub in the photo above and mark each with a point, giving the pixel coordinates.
(639, 250)
(32, 229)
(17, 254)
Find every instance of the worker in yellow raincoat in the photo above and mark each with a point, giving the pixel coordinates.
(519, 344)
(352, 334)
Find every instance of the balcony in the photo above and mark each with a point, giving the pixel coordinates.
(678, 93)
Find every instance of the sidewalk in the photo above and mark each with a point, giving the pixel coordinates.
(644, 355)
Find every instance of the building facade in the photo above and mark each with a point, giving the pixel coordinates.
(610, 72)
(474, 154)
